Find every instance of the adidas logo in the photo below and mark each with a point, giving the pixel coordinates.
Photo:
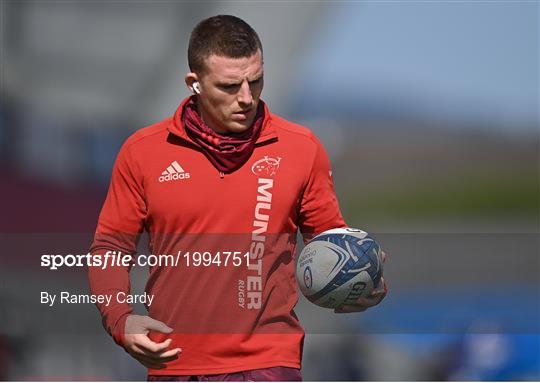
(173, 172)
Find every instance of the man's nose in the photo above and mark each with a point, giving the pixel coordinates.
(245, 97)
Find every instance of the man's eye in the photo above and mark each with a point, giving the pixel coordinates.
(230, 86)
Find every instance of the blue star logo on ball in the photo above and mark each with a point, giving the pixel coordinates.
(308, 281)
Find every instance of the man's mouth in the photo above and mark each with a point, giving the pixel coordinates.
(241, 115)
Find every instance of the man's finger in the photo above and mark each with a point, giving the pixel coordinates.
(349, 309)
(159, 355)
(376, 293)
(371, 300)
(165, 357)
(363, 303)
(145, 342)
(171, 353)
(139, 356)
(375, 296)
(382, 288)
(383, 254)
(156, 355)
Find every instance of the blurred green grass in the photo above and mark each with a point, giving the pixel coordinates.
(513, 194)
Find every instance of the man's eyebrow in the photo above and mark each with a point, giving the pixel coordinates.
(236, 83)
(257, 78)
(228, 83)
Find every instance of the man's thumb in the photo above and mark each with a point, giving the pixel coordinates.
(155, 325)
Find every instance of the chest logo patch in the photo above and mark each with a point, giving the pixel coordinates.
(267, 166)
(173, 172)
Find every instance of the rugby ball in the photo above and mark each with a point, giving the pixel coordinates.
(339, 266)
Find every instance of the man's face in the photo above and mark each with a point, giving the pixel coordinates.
(229, 92)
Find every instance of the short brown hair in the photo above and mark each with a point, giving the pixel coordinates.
(222, 35)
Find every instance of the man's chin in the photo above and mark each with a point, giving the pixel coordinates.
(239, 127)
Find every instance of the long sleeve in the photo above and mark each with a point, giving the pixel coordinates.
(120, 223)
(319, 209)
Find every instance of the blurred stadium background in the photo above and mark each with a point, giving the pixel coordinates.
(429, 111)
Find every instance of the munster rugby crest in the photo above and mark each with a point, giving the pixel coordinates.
(267, 166)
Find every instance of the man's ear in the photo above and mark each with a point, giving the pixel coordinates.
(192, 82)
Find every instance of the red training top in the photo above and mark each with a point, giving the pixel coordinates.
(229, 288)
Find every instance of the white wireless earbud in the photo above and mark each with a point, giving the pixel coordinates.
(196, 87)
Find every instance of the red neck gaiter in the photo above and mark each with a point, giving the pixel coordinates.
(226, 152)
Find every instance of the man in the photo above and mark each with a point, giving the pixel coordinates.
(223, 176)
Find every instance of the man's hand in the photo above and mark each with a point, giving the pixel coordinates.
(362, 304)
(138, 344)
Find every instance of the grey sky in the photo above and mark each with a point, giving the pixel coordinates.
(471, 60)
